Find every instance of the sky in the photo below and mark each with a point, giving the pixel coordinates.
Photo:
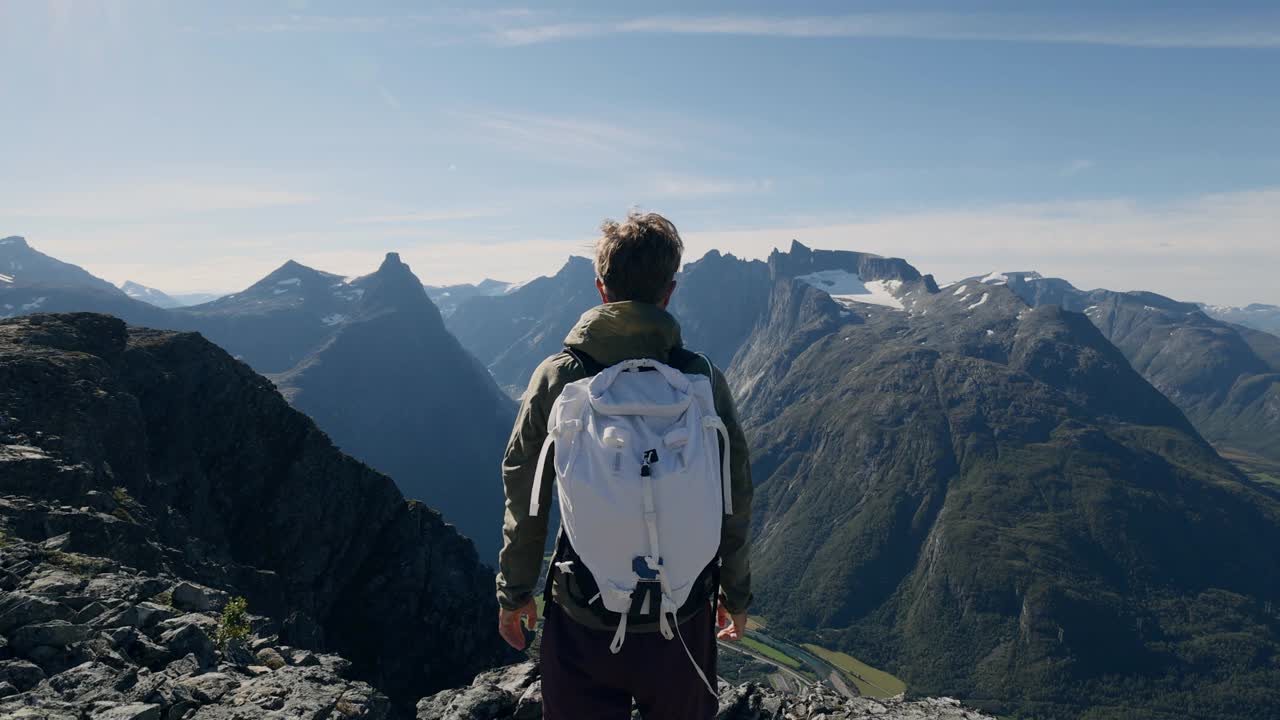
(195, 146)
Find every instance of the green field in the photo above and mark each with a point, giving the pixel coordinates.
(1256, 467)
(870, 681)
(770, 652)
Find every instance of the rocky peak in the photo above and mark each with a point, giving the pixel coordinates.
(801, 260)
(14, 241)
(394, 287)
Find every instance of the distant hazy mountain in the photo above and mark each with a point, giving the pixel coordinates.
(989, 501)
(32, 282)
(1257, 316)
(281, 319)
(449, 297)
(511, 333)
(149, 295)
(1225, 377)
(21, 264)
(392, 387)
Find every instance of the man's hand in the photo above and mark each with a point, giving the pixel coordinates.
(509, 623)
(732, 626)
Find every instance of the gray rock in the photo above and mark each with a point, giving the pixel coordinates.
(209, 688)
(100, 501)
(197, 598)
(52, 582)
(58, 542)
(7, 690)
(21, 674)
(514, 693)
(18, 609)
(55, 634)
(271, 658)
(90, 612)
(132, 711)
(188, 638)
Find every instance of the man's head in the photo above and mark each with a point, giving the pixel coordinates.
(637, 259)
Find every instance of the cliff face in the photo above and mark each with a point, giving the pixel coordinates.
(159, 453)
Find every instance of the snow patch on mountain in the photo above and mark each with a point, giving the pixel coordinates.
(6, 278)
(846, 287)
(334, 319)
(980, 302)
(290, 281)
(995, 279)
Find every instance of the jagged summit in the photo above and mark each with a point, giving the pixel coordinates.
(14, 241)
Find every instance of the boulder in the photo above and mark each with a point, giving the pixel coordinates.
(54, 634)
(21, 674)
(132, 711)
(187, 638)
(18, 609)
(271, 658)
(197, 598)
(209, 688)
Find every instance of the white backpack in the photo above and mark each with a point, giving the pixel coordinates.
(642, 483)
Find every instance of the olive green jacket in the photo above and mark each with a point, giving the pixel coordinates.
(609, 334)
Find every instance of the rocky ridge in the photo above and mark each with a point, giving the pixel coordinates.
(146, 458)
(515, 693)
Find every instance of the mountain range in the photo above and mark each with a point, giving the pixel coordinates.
(368, 358)
(1003, 489)
(1225, 377)
(983, 496)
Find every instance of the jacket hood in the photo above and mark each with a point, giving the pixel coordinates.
(614, 332)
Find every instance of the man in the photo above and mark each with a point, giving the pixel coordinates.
(636, 262)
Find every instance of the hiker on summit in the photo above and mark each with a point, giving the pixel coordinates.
(641, 441)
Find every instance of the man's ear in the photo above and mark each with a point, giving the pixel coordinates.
(667, 298)
(604, 294)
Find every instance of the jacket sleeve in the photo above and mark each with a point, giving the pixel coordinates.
(524, 538)
(735, 533)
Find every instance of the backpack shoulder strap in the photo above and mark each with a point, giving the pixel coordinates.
(692, 362)
(589, 364)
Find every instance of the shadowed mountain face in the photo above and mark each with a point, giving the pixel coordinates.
(989, 500)
(392, 387)
(183, 463)
(1225, 377)
(513, 332)
(368, 358)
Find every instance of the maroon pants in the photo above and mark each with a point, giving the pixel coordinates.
(582, 680)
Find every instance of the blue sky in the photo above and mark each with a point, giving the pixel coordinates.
(196, 146)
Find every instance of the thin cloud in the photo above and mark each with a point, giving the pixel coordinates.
(1075, 167)
(1255, 33)
(430, 216)
(148, 199)
(683, 186)
(563, 138)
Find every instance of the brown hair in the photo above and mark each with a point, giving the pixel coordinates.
(637, 258)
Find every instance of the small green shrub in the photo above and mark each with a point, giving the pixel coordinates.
(234, 624)
(163, 598)
(124, 501)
